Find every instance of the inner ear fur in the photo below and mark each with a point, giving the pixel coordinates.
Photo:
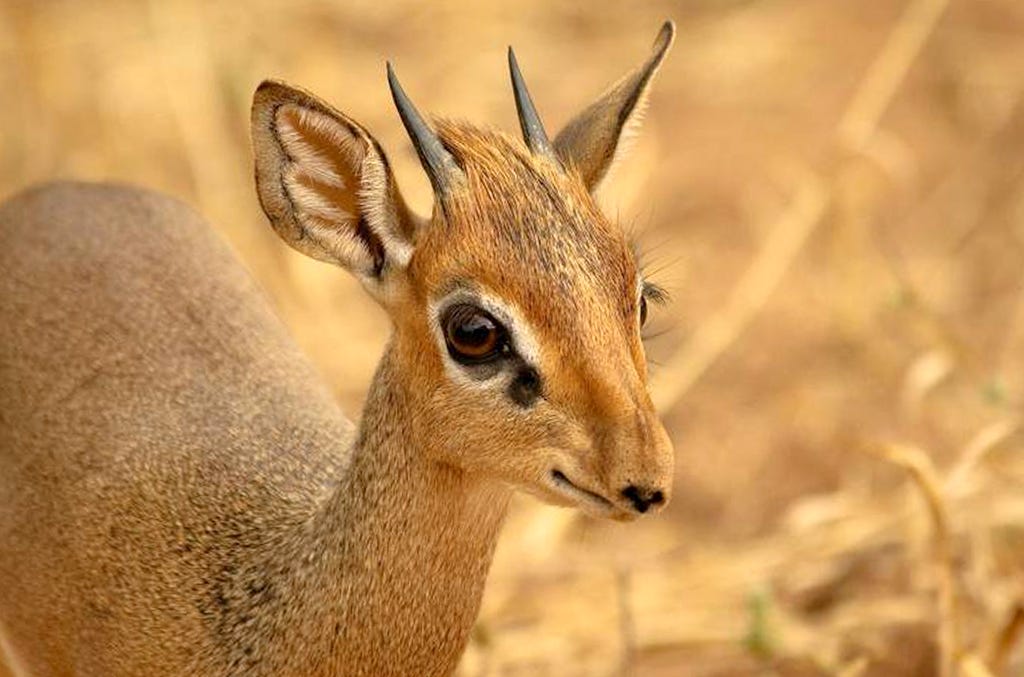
(325, 183)
(592, 141)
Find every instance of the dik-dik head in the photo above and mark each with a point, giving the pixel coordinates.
(517, 305)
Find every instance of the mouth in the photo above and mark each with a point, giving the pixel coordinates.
(597, 503)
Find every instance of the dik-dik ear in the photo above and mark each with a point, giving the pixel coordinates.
(593, 139)
(326, 186)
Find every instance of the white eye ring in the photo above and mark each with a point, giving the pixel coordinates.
(517, 332)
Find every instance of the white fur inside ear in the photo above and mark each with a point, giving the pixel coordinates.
(312, 202)
(320, 147)
(379, 209)
(323, 162)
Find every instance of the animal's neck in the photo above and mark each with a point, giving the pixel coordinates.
(407, 542)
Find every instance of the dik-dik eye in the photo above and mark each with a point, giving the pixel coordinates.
(649, 293)
(473, 335)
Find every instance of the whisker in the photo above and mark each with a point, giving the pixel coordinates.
(658, 334)
(653, 269)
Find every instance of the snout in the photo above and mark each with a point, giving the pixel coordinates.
(639, 464)
(620, 461)
(627, 472)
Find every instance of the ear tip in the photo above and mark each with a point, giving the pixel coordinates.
(271, 90)
(666, 36)
(268, 85)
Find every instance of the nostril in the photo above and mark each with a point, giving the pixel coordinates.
(632, 494)
(642, 499)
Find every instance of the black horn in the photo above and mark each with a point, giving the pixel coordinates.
(439, 164)
(533, 129)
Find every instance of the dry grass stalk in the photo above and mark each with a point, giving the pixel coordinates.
(977, 449)
(888, 71)
(925, 478)
(1006, 639)
(954, 657)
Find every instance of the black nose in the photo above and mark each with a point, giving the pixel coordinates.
(643, 498)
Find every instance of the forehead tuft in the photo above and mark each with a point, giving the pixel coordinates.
(528, 230)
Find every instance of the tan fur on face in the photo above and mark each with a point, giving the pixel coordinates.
(530, 233)
(525, 226)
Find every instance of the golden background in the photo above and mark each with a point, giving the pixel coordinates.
(832, 191)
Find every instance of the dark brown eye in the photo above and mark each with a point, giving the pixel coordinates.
(472, 334)
(643, 310)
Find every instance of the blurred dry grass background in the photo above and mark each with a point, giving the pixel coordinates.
(833, 190)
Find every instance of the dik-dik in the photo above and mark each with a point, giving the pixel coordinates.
(179, 492)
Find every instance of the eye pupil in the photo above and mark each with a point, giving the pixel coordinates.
(476, 331)
(643, 310)
(472, 334)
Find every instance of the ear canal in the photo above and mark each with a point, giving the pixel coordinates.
(442, 169)
(593, 139)
(529, 121)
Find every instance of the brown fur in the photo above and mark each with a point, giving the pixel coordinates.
(179, 494)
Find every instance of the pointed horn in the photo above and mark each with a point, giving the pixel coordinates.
(439, 164)
(533, 129)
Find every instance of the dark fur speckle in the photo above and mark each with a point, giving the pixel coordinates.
(525, 388)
